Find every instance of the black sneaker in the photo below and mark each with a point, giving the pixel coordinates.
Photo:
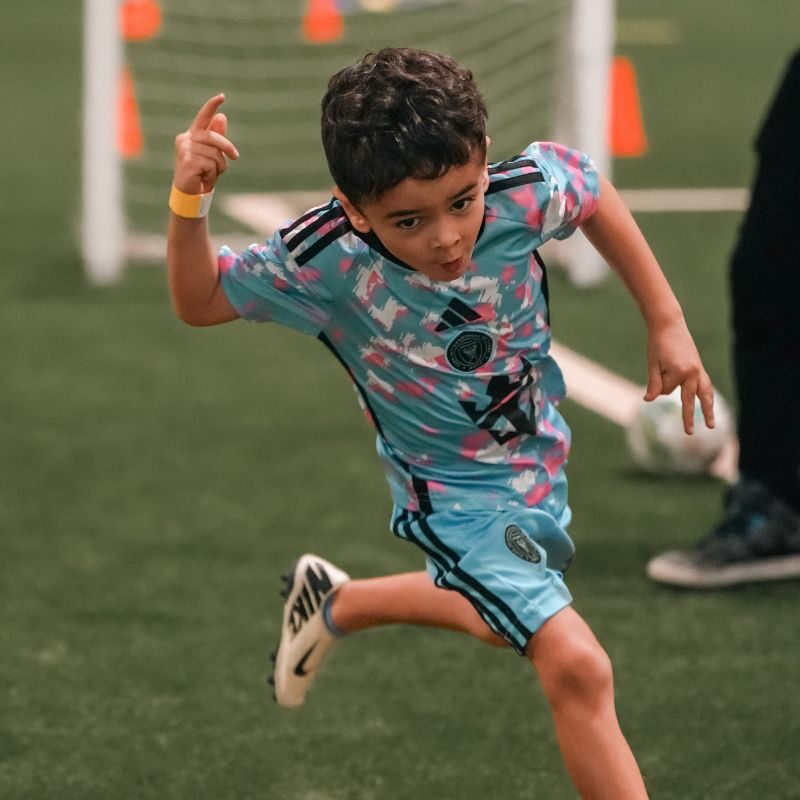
(757, 540)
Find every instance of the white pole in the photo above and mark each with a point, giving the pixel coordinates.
(583, 116)
(592, 50)
(102, 225)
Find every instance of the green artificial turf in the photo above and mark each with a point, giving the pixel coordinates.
(155, 479)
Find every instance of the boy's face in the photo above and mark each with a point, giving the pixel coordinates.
(431, 225)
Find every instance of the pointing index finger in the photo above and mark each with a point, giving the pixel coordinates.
(206, 113)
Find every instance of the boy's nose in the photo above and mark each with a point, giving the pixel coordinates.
(446, 237)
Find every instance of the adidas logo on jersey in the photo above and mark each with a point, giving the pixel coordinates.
(316, 586)
(457, 313)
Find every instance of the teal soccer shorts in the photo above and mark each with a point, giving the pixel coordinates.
(509, 564)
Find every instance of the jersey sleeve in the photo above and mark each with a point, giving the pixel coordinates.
(265, 283)
(568, 192)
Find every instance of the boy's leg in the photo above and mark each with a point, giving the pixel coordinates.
(322, 602)
(410, 598)
(577, 679)
(573, 667)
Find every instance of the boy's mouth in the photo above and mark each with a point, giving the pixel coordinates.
(452, 266)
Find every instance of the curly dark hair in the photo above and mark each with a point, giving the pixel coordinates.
(400, 113)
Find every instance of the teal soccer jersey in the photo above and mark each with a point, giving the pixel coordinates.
(456, 376)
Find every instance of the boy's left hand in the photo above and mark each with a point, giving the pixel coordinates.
(672, 361)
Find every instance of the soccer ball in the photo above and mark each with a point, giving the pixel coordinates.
(659, 445)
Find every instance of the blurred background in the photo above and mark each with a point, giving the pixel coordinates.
(156, 479)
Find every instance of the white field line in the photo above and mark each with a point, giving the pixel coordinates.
(590, 385)
(647, 30)
(596, 388)
(617, 399)
(151, 248)
(694, 201)
(264, 213)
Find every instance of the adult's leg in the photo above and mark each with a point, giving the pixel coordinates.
(758, 537)
(765, 283)
(577, 679)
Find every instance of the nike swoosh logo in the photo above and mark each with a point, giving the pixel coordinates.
(300, 668)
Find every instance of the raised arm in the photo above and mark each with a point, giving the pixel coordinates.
(200, 152)
(672, 357)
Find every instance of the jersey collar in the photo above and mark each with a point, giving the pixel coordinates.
(372, 240)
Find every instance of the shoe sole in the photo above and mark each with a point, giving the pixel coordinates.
(288, 585)
(668, 569)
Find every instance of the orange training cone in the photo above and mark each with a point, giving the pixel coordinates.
(322, 22)
(626, 134)
(130, 141)
(139, 19)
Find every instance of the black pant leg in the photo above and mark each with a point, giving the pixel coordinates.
(765, 284)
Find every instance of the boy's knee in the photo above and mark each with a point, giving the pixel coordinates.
(581, 672)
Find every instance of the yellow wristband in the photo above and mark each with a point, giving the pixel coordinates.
(191, 206)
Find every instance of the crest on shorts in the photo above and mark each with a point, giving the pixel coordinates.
(469, 350)
(521, 545)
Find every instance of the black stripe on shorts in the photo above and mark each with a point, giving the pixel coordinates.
(516, 632)
(442, 568)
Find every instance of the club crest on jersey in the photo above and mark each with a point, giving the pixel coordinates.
(521, 545)
(469, 350)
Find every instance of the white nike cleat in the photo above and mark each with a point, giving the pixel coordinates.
(305, 639)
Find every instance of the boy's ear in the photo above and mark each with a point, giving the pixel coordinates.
(486, 166)
(357, 219)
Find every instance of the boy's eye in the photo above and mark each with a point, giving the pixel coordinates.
(407, 224)
(462, 204)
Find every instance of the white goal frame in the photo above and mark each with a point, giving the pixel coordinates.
(582, 121)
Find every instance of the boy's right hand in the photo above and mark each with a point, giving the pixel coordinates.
(200, 151)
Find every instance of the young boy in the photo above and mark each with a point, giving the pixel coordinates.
(421, 276)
